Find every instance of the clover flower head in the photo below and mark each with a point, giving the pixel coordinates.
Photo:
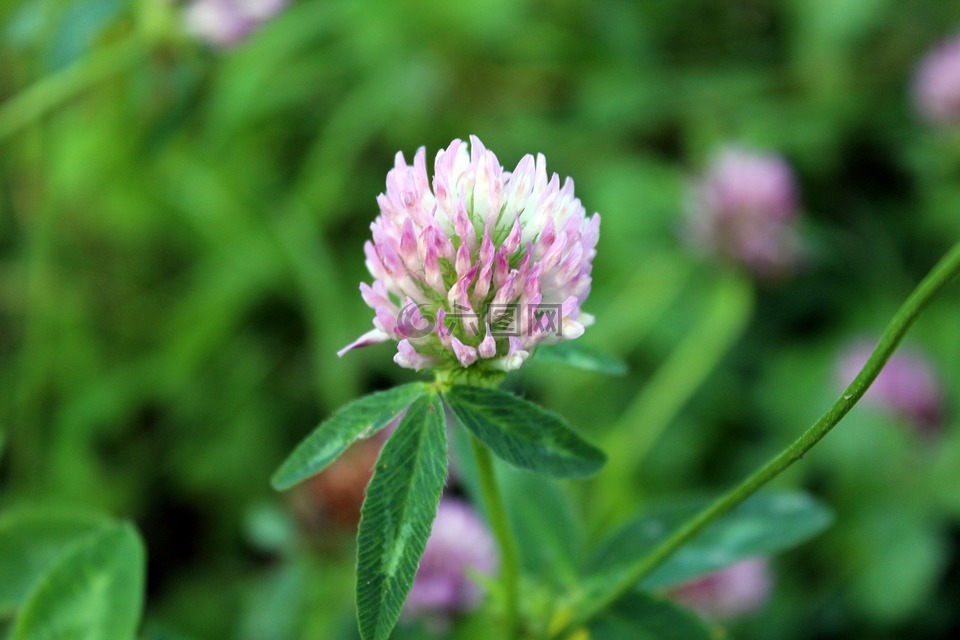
(459, 545)
(936, 88)
(743, 210)
(731, 592)
(480, 265)
(907, 386)
(225, 23)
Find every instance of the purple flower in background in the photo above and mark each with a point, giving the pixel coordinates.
(937, 84)
(480, 266)
(907, 385)
(459, 545)
(744, 210)
(224, 23)
(734, 591)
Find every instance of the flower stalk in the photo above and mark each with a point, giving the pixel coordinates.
(673, 384)
(942, 274)
(497, 514)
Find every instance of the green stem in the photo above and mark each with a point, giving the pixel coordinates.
(497, 513)
(941, 275)
(41, 97)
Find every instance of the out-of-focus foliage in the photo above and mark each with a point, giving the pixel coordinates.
(70, 575)
(181, 237)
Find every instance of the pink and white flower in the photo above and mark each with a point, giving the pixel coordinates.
(744, 209)
(734, 591)
(224, 23)
(908, 385)
(936, 87)
(459, 545)
(479, 266)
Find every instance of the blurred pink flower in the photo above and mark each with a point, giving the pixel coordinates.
(224, 23)
(907, 385)
(480, 267)
(937, 84)
(459, 545)
(734, 591)
(744, 209)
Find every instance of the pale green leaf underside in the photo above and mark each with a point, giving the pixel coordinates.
(95, 592)
(398, 514)
(763, 525)
(548, 533)
(359, 419)
(641, 616)
(522, 433)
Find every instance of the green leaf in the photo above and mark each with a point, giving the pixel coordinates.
(641, 616)
(32, 542)
(580, 356)
(94, 593)
(763, 525)
(522, 433)
(397, 515)
(360, 419)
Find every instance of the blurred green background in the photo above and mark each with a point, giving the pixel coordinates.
(181, 235)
